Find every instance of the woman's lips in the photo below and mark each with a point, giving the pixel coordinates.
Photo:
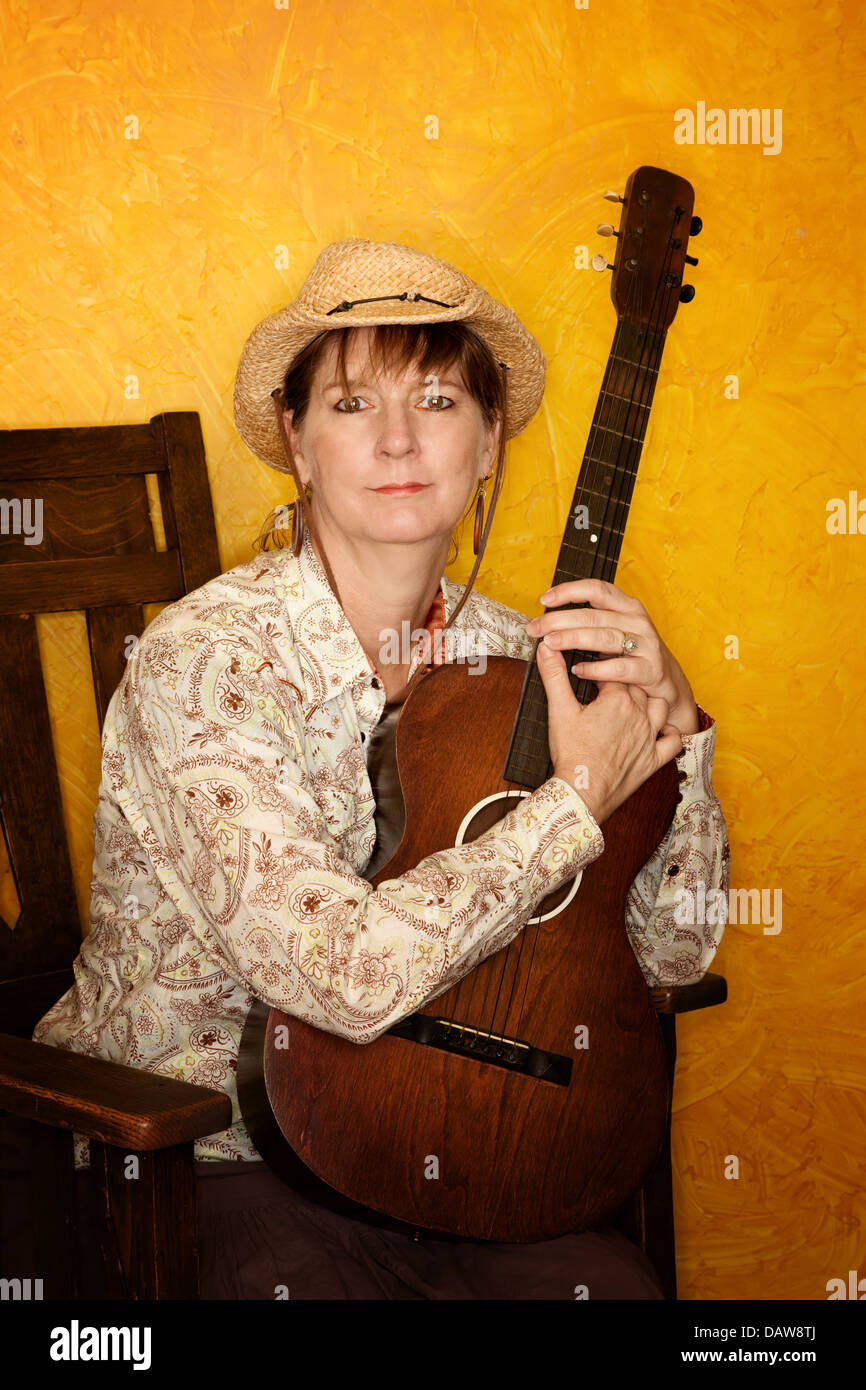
(401, 489)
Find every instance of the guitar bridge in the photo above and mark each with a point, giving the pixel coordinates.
(497, 1049)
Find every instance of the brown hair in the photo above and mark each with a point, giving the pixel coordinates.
(393, 347)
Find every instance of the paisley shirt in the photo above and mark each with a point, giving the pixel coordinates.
(235, 820)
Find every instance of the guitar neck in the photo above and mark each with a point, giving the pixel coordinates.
(592, 540)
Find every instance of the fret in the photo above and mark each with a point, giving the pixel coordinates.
(607, 542)
(616, 493)
(614, 505)
(531, 755)
(525, 742)
(609, 463)
(620, 433)
(539, 702)
(530, 759)
(528, 736)
(568, 542)
(525, 765)
(591, 492)
(641, 405)
(634, 365)
(608, 498)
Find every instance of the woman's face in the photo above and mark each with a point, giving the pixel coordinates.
(391, 431)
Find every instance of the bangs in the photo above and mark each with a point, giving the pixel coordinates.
(393, 348)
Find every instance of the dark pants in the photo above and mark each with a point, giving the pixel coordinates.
(259, 1239)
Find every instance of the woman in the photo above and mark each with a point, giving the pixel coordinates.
(235, 816)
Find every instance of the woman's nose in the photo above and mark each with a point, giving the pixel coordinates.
(396, 428)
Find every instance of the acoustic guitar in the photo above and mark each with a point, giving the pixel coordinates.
(532, 1098)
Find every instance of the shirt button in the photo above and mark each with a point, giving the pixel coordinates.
(375, 682)
(363, 736)
(673, 870)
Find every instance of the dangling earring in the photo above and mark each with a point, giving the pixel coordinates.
(479, 513)
(298, 520)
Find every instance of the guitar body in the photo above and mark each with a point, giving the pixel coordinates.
(551, 1116)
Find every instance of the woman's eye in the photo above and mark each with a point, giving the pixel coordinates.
(440, 403)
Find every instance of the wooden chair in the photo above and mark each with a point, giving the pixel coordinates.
(97, 554)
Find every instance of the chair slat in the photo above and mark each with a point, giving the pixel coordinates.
(90, 451)
(108, 632)
(52, 1179)
(48, 934)
(185, 498)
(153, 1219)
(74, 519)
(58, 586)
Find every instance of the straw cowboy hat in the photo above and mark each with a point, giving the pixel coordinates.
(357, 283)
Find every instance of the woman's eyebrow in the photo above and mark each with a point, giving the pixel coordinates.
(362, 385)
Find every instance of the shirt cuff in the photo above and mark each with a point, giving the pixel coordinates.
(566, 834)
(695, 762)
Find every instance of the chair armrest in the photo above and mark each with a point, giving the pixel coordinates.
(122, 1106)
(680, 999)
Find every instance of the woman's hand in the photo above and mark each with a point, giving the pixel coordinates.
(601, 628)
(607, 749)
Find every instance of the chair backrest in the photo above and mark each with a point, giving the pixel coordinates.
(76, 534)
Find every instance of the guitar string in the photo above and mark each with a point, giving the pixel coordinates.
(620, 418)
(633, 450)
(456, 990)
(460, 1001)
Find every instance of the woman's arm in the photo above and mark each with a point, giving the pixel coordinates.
(677, 906)
(224, 801)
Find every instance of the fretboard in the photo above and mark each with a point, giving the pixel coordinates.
(596, 523)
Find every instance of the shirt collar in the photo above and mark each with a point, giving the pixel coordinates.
(331, 657)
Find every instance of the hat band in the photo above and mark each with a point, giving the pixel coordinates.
(348, 304)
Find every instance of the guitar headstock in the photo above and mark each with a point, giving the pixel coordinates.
(652, 246)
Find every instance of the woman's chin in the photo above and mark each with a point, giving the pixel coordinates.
(414, 530)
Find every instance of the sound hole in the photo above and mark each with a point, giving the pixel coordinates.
(488, 813)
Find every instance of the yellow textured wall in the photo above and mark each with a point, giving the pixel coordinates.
(261, 127)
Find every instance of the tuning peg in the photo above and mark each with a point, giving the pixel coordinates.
(600, 262)
(613, 197)
(690, 260)
(687, 294)
(696, 225)
(606, 229)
